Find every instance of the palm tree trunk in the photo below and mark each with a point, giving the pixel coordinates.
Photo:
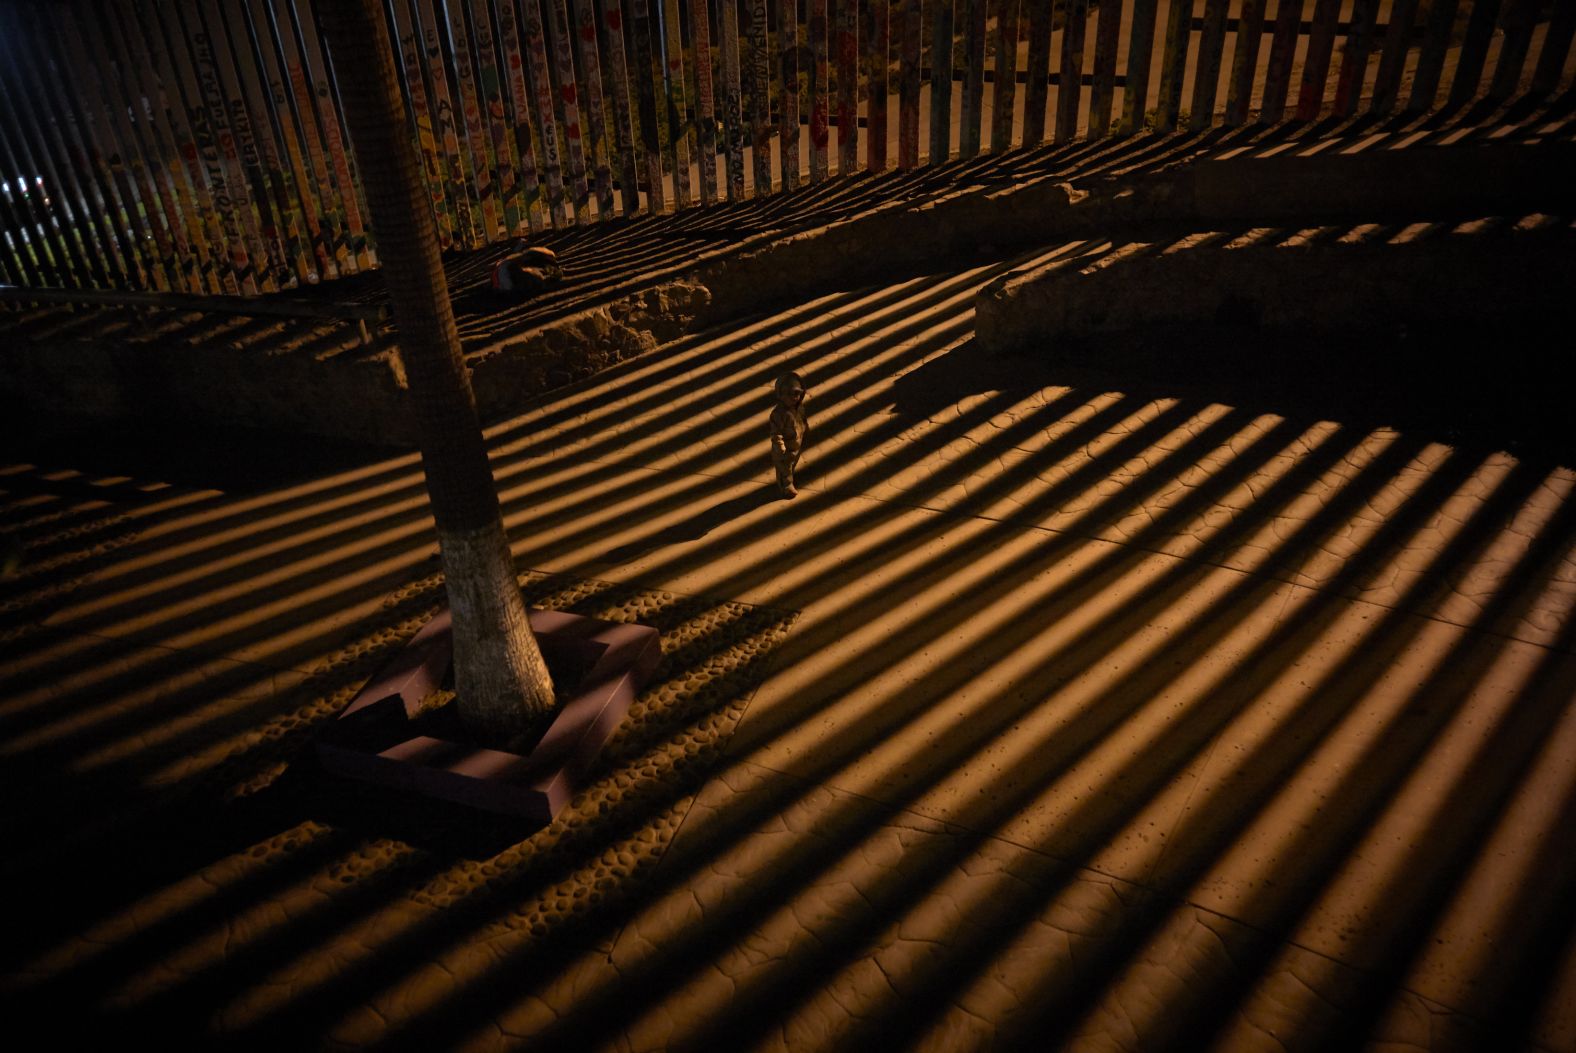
(501, 682)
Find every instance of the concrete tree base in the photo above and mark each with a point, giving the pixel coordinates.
(382, 737)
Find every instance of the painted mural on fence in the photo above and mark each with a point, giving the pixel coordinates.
(198, 145)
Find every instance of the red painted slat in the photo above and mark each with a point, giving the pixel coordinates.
(1354, 57)
(1316, 64)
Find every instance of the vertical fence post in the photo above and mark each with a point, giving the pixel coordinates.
(877, 62)
(1354, 57)
(677, 107)
(595, 108)
(640, 28)
(231, 263)
(526, 137)
(1206, 77)
(117, 232)
(1520, 20)
(1173, 63)
(847, 86)
(1392, 61)
(1277, 76)
(788, 112)
(911, 20)
(1244, 61)
(1106, 37)
(973, 79)
(1004, 99)
(1431, 62)
(820, 135)
(1474, 51)
(467, 213)
(477, 146)
(941, 41)
(623, 121)
(732, 101)
(228, 197)
(1069, 77)
(1140, 49)
(1556, 45)
(54, 225)
(323, 95)
(760, 84)
(1036, 89)
(705, 102)
(556, 19)
(1316, 65)
(489, 87)
(253, 122)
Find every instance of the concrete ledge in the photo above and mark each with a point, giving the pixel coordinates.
(384, 738)
(1443, 276)
(345, 391)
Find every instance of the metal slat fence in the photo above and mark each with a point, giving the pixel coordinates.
(197, 146)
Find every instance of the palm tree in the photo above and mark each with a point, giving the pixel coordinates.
(501, 682)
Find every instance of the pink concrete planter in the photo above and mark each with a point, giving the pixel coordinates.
(380, 737)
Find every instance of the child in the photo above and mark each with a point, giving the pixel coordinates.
(526, 273)
(788, 428)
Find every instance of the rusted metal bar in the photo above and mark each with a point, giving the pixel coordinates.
(677, 109)
(1354, 58)
(1140, 46)
(1316, 64)
(910, 19)
(1206, 77)
(623, 119)
(1277, 77)
(1556, 45)
(941, 42)
(1102, 87)
(1520, 20)
(973, 79)
(759, 66)
(732, 100)
(1004, 98)
(1069, 76)
(1039, 69)
(1474, 51)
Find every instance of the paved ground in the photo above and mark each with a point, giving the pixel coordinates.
(1068, 706)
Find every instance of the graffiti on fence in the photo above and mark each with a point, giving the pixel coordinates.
(198, 145)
